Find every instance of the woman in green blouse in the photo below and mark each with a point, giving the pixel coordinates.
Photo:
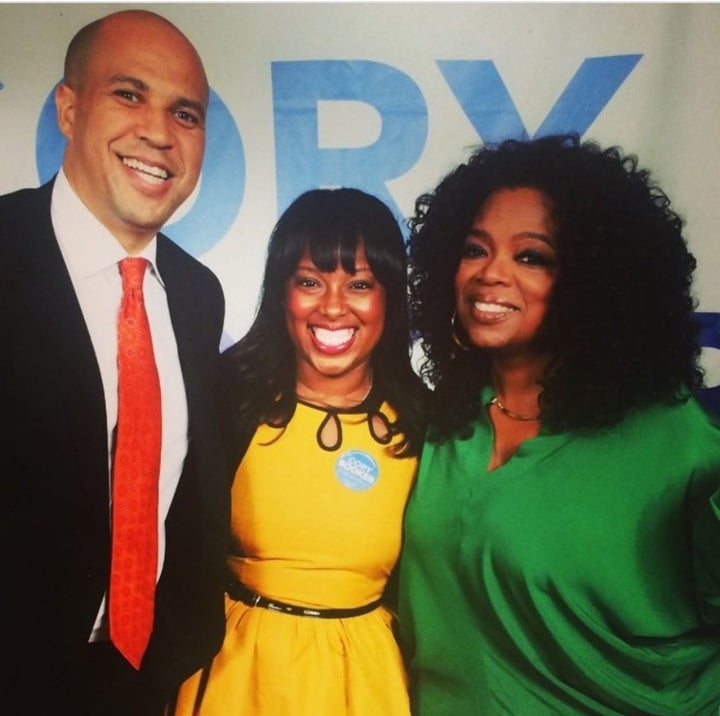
(562, 546)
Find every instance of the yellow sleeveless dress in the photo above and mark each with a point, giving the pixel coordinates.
(319, 528)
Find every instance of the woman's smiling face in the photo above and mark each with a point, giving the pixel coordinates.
(506, 272)
(334, 319)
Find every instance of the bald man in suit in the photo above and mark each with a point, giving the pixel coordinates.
(132, 106)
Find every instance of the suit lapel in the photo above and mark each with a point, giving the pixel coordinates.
(184, 314)
(54, 314)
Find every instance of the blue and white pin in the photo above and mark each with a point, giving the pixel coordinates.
(357, 470)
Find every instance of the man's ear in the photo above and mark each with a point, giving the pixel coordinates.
(65, 99)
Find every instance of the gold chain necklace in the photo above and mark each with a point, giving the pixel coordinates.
(328, 406)
(511, 414)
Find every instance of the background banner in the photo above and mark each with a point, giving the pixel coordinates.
(388, 97)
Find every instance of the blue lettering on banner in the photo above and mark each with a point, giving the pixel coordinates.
(485, 99)
(301, 164)
(222, 183)
(709, 337)
(709, 328)
(357, 470)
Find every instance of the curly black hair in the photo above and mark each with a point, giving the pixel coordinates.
(260, 369)
(620, 325)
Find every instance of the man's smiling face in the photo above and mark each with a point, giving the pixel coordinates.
(135, 124)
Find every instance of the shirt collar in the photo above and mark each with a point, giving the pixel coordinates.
(87, 246)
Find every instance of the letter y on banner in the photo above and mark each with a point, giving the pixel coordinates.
(485, 99)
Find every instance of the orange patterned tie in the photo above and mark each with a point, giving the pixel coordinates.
(135, 474)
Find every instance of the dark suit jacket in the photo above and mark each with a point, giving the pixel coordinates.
(54, 511)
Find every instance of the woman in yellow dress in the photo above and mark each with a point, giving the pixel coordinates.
(325, 415)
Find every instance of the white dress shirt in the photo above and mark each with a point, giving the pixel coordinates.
(92, 255)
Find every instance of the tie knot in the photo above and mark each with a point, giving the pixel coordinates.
(132, 271)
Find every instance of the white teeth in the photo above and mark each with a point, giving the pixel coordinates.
(154, 175)
(333, 338)
(491, 307)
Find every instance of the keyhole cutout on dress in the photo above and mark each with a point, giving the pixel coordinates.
(329, 434)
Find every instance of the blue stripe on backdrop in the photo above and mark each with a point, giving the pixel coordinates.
(710, 338)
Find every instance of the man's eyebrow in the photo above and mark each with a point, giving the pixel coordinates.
(128, 79)
(180, 102)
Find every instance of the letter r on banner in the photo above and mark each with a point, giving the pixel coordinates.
(302, 163)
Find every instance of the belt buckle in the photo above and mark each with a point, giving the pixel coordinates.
(256, 599)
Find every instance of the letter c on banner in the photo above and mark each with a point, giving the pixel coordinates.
(221, 186)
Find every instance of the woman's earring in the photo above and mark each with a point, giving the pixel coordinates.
(454, 334)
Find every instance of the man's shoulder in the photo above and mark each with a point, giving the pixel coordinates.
(27, 197)
(24, 213)
(170, 252)
(181, 266)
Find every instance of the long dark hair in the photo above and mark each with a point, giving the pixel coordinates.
(260, 369)
(620, 324)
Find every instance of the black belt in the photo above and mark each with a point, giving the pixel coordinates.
(240, 593)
